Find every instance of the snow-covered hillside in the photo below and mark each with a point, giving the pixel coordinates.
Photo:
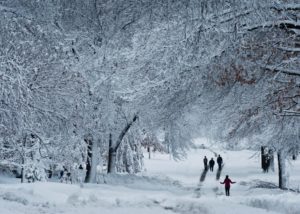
(166, 186)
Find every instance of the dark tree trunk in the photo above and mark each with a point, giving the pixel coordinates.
(263, 158)
(88, 160)
(281, 170)
(23, 159)
(271, 156)
(22, 175)
(124, 131)
(149, 151)
(112, 152)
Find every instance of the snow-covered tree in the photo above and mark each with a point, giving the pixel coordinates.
(74, 72)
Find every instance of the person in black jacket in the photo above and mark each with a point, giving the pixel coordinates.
(211, 164)
(220, 161)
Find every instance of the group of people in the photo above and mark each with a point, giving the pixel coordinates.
(211, 163)
(227, 181)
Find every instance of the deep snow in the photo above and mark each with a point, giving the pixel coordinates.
(166, 186)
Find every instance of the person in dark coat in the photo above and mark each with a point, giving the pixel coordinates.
(227, 183)
(220, 161)
(211, 164)
(61, 174)
(267, 163)
(205, 162)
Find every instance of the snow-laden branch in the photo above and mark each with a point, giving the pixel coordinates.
(283, 70)
(285, 24)
(289, 49)
(124, 131)
(286, 7)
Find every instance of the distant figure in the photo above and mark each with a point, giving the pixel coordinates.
(49, 173)
(267, 163)
(211, 164)
(82, 172)
(66, 176)
(205, 162)
(227, 183)
(220, 161)
(61, 173)
(69, 178)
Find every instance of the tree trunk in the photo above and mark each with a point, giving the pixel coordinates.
(88, 160)
(149, 152)
(271, 155)
(112, 161)
(112, 152)
(110, 155)
(94, 164)
(263, 161)
(124, 131)
(22, 175)
(23, 160)
(282, 170)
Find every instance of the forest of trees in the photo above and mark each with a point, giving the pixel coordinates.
(87, 81)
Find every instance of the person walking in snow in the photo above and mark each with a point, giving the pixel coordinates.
(220, 161)
(205, 162)
(227, 183)
(211, 164)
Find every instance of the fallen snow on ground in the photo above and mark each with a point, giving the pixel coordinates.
(166, 186)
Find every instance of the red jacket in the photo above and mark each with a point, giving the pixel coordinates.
(227, 182)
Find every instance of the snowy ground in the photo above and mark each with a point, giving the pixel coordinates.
(166, 186)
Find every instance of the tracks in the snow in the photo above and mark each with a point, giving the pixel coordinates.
(203, 175)
(202, 179)
(218, 175)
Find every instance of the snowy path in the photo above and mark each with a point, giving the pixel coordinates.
(243, 168)
(166, 187)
